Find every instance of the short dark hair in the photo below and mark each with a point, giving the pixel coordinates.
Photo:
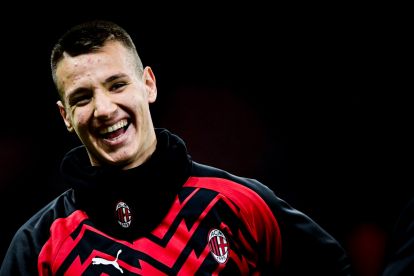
(89, 37)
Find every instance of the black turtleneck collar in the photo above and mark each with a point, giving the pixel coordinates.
(170, 156)
(148, 189)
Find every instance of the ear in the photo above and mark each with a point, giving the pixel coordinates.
(148, 78)
(65, 116)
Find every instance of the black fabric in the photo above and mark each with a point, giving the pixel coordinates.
(400, 253)
(21, 257)
(148, 189)
(304, 241)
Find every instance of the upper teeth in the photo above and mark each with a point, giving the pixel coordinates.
(114, 127)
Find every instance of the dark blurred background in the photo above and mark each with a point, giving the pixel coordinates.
(316, 105)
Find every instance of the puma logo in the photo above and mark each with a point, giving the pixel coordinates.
(98, 260)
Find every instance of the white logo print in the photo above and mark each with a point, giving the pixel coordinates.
(98, 260)
(219, 247)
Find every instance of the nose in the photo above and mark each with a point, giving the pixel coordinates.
(104, 105)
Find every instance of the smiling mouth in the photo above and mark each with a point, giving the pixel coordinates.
(114, 131)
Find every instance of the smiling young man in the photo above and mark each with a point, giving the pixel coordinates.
(138, 204)
(105, 100)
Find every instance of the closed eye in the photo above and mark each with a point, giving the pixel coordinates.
(80, 100)
(117, 86)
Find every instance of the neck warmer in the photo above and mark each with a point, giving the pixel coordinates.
(148, 190)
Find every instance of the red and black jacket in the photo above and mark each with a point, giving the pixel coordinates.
(169, 216)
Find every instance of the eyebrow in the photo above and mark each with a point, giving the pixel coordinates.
(114, 77)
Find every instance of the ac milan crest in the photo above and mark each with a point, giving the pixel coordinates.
(219, 247)
(123, 214)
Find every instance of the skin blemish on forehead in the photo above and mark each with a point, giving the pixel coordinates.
(92, 60)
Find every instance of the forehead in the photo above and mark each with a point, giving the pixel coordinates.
(112, 51)
(112, 58)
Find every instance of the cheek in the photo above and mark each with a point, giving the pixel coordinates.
(80, 119)
(135, 103)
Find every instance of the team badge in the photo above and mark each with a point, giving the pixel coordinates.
(219, 247)
(123, 214)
